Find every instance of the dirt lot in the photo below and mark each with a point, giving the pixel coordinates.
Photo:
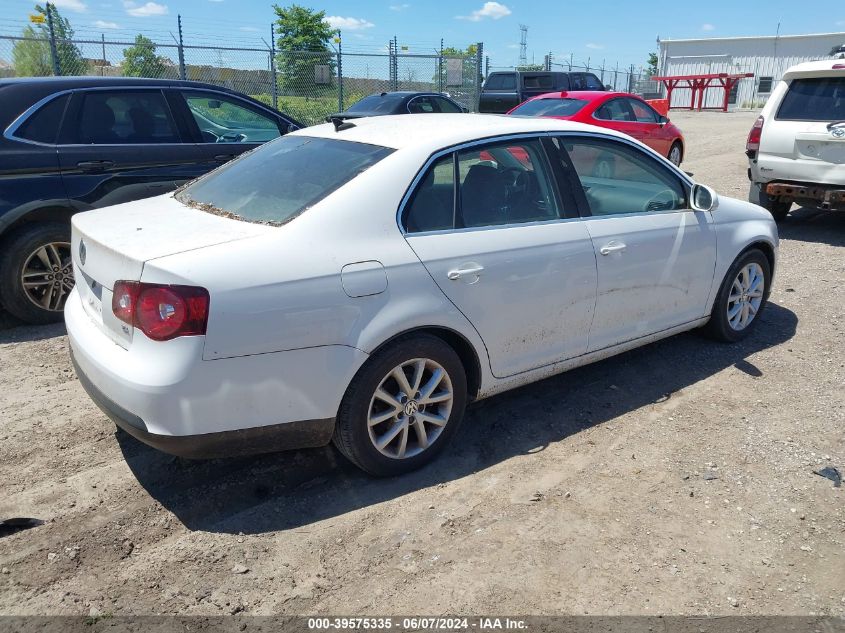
(675, 479)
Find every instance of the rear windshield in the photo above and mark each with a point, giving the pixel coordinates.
(814, 99)
(550, 107)
(280, 179)
(377, 103)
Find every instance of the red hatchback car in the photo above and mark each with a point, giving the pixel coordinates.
(619, 111)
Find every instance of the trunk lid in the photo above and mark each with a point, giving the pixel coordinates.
(114, 243)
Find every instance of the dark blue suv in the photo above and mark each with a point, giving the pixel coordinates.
(71, 144)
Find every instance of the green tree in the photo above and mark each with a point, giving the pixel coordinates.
(140, 59)
(303, 42)
(651, 68)
(31, 55)
(469, 69)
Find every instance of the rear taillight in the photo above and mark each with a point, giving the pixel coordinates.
(839, 67)
(753, 143)
(162, 312)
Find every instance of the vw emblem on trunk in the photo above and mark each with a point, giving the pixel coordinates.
(838, 132)
(82, 252)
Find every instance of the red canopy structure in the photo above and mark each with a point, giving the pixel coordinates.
(698, 84)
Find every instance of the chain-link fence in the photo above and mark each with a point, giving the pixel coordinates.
(306, 85)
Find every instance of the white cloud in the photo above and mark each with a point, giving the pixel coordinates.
(246, 29)
(348, 24)
(145, 10)
(102, 24)
(493, 10)
(707, 27)
(215, 0)
(595, 47)
(513, 45)
(399, 7)
(72, 5)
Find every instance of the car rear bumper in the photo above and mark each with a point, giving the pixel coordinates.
(168, 397)
(824, 196)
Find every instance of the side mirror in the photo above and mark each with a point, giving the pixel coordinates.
(663, 120)
(704, 198)
(609, 88)
(291, 127)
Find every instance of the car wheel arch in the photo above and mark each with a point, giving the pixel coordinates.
(465, 350)
(24, 217)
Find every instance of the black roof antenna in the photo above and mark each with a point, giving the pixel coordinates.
(340, 124)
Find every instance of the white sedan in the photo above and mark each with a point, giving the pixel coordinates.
(362, 282)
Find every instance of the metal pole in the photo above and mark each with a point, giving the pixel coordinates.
(274, 79)
(103, 67)
(616, 76)
(182, 74)
(54, 53)
(395, 63)
(479, 57)
(571, 57)
(440, 68)
(339, 72)
(602, 72)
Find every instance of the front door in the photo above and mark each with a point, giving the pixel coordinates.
(507, 251)
(655, 256)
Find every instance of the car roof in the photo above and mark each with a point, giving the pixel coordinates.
(58, 83)
(584, 95)
(436, 131)
(810, 69)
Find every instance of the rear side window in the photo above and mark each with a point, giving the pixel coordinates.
(130, 117)
(537, 82)
(502, 81)
(814, 99)
(592, 82)
(282, 178)
(431, 208)
(43, 125)
(550, 107)
(382, 104)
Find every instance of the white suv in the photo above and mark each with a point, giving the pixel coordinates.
(796, 149)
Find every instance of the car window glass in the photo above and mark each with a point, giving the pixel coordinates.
(431, 208)
(43, 125)
(445, 105)
(642, 112)
(549, 107)
(504, 183)
(222, 119)
(537, 81)
(422, 105)
(134, 116)
(618, 178)
(615, 110)
(282, 178)
(501, 81)
(577, 80)
(384, 103)
(593, 83)
(814, 99)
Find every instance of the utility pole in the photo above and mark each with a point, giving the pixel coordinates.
(523, 45)
(339, 72)
(182, 73)
(54, 53)
(275, 82)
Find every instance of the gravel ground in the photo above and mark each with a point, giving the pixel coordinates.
(675, 479)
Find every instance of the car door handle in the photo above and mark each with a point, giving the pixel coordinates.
(469, 271)
(224, 157)
(612, 247)
(95, 165)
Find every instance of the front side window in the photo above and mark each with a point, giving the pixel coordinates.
(642, 112)
(422, 105)
(130, 117)
(618, 178)
(814, 99)
(550, 107)
(501, 81)
(279, 180)
(225, 120)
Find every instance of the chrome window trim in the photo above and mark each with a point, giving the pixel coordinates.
(534, 135)
(9, 132)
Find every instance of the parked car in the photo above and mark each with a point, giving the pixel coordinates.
(362, 283)
(73, 144)
(503, 91)
(796, 149)
(619, 111)
(401, 102)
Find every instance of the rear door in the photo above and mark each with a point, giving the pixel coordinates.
(507, 250)
(499, 93)
(223, 125)
(118, 145)
(806, 139)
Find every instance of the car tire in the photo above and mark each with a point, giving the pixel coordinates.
(20, 255)
(778, 208)
(740, 288)
(387, 438)
(676, 154)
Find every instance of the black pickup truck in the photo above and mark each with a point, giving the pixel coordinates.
(504, 90)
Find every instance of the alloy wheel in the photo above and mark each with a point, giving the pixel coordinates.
(410, 408)
(746, 296)
(47, 276)
(675, 155)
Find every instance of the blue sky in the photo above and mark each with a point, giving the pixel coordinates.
(613, 30)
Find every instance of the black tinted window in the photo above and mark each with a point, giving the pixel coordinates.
(446, 105)
(43, 125)
(431, 208)
(541, 82)
(501, 81)
(134, 116)
(592, 83)
(282, 178)
(377, 103)
(550, 107)
(814, 99)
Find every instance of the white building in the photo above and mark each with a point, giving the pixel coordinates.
(766, 56)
